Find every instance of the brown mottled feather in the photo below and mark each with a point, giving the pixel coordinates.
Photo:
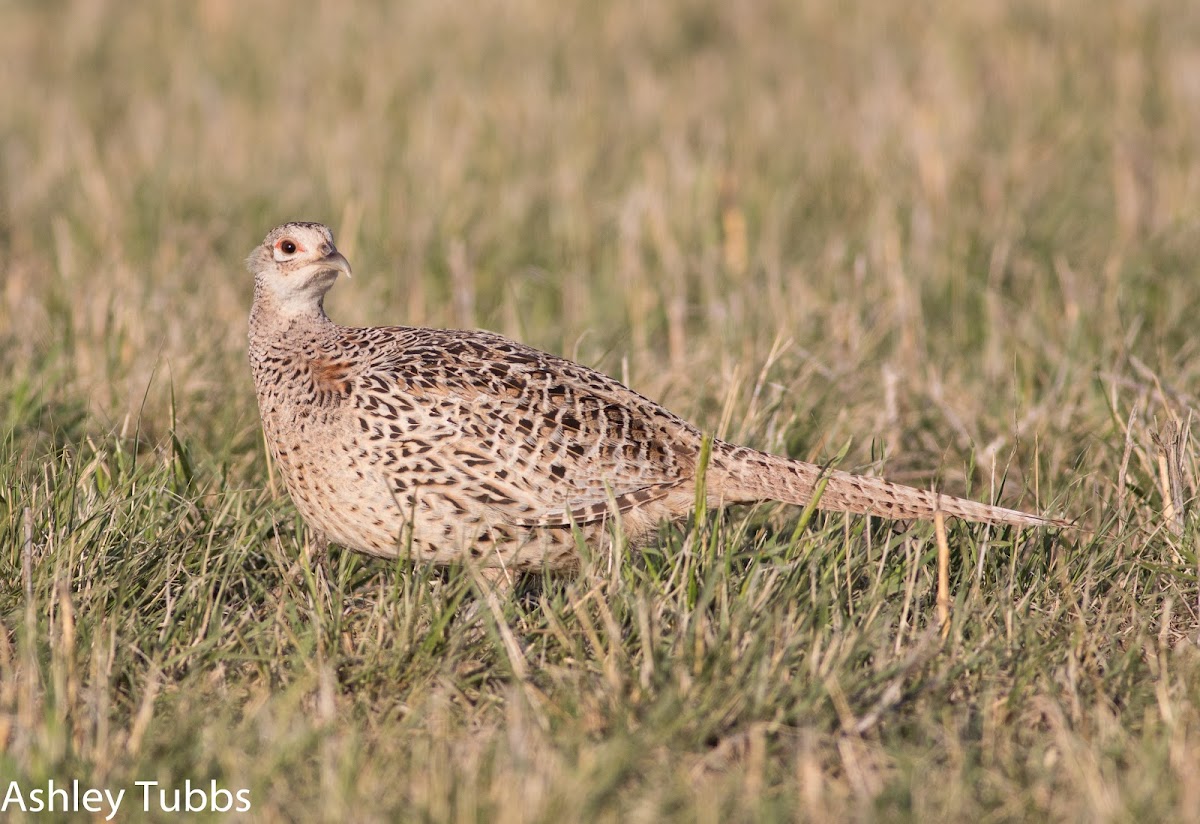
(444, 443)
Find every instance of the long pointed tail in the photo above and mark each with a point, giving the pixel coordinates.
(742, 475)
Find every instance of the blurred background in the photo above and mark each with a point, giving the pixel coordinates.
(962, 237)
(931, 225)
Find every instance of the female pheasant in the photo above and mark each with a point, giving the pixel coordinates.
(443, 444)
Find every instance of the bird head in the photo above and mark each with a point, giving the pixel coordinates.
(296, 264)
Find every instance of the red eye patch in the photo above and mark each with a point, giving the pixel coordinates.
(289, 246)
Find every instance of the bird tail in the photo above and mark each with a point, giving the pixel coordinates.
(746, 475)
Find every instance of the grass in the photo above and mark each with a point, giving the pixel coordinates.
(961, 239)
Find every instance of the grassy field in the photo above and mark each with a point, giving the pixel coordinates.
(961, 239)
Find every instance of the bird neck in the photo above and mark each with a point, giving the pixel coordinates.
(273, 315)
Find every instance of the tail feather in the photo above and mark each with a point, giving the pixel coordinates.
(745, 476)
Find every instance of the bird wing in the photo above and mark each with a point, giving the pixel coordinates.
(564, 443)
(589, 512)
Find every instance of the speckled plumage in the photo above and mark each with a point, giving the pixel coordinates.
(444, 444)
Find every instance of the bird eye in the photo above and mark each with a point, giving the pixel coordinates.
(288, 247)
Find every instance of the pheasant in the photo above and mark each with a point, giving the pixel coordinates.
(444, 445)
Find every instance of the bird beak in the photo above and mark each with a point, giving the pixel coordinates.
(336, 261)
